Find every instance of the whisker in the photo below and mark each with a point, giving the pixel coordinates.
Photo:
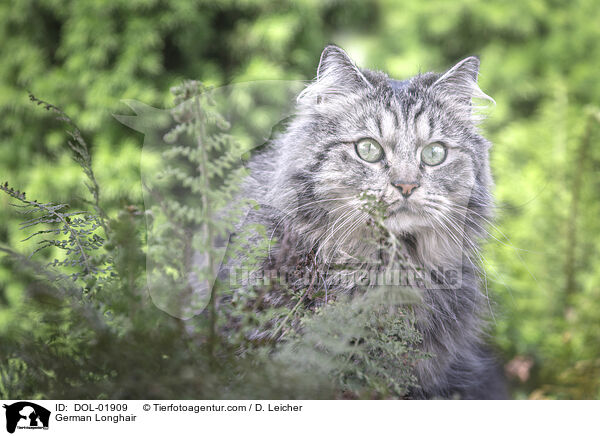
(290, 211)
(487, 233)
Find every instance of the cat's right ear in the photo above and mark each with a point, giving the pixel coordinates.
(337, 76)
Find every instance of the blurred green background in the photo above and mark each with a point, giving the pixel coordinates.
(539, 61)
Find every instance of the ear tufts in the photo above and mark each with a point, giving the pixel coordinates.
(337, 75)
(459, 84)
(334, 60)
(461, 76)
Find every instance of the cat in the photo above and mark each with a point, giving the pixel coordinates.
(414, 146)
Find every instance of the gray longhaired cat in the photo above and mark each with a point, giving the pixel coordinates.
(414, 147)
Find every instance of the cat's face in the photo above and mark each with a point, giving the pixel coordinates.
(413, 145)
(414, 162)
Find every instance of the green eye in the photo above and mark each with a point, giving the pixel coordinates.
(433, 154)
(369, 150)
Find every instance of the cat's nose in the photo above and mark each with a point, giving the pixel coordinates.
(406, 188)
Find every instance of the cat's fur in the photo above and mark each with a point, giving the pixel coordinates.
(308, 181)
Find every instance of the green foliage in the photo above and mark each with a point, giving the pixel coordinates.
(539, 62)
(80, 230)
(367, 343)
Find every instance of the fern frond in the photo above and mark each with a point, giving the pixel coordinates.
(81, 155)
(77, 227)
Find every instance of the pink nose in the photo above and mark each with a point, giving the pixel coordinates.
(406, 188)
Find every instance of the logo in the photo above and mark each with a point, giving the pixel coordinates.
(26, 415)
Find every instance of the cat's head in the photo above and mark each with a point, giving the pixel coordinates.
(413, 144)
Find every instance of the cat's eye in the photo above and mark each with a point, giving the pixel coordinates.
(434, 154)
(369, 150)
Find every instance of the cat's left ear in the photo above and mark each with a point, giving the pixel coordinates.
(459, 83)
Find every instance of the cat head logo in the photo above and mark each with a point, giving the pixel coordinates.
(184, 293)
(26, 415)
